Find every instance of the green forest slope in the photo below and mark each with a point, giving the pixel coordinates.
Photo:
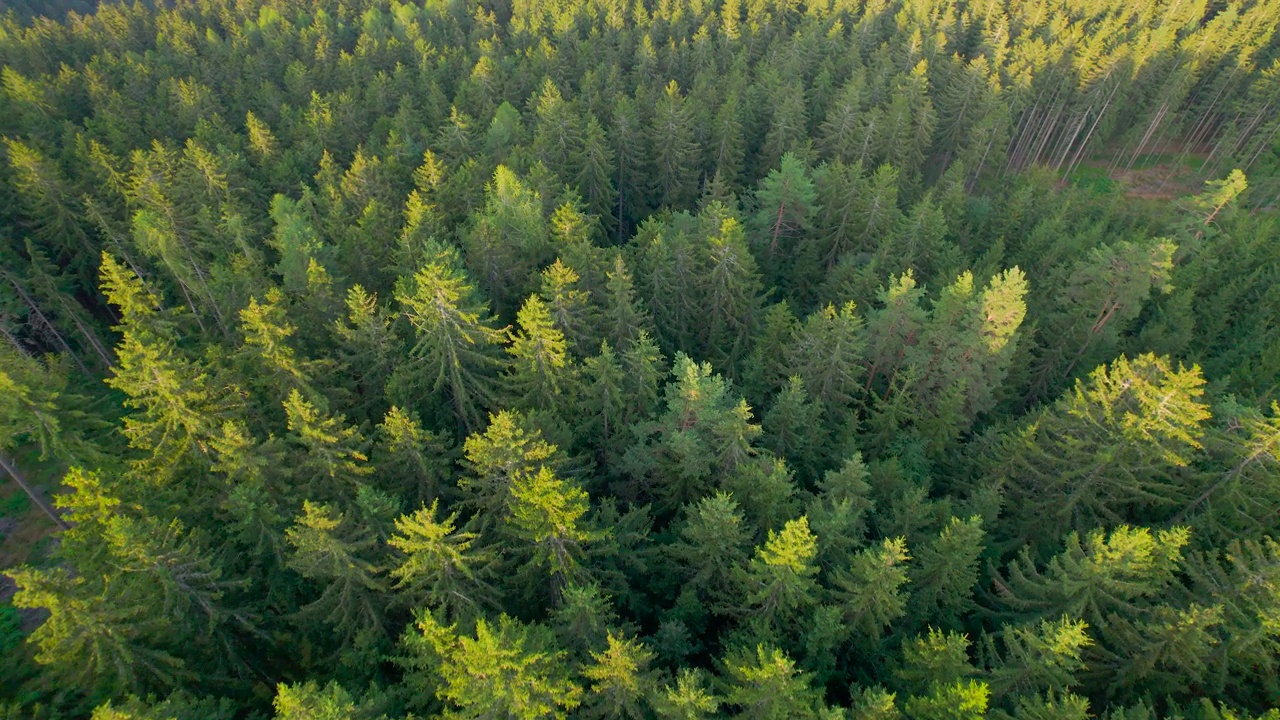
(666, 360)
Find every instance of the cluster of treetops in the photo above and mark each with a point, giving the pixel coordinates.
(670, 360)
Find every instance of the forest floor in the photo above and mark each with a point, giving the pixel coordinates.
(26, 537)
(1161, 175)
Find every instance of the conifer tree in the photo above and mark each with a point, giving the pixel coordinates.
(1240, 580)
(39, 412)
(547, 514)
(701, 432)
(1091, 578)
(570, 307)
(419, 459)
(508, 241)
(893, 330)
(786, 203)
(326, 549)
(48, 292)
(602, 400)
(712, 549)
(557, 136)
(437, 565)
(333, 453)
(368, 348)
(141, 589)
(295, 239)
(788, 125)
(675, 155)
(309, 700)
(934, 659)
(583, 619)
(1240, 493)
(506, 669)
(1102, 295)
(767, 370)
(456, 344)
(52, 207)
(838, 513)
(596, 173)
(839, 193)
(781, 577)
(871, 589)
(624, 316)
(1107, 453)
(944, 575)
(178, 411)
(266, 332)
(767, 490)
(505, 453)
(965, 349)
(828, 356)
(1038, 657)
(620, 679)
(540, 366)
(728, 140)
(793, 428)
(645, 369)
(731, 297)
(668, 263)
(90, 639)
(687, 699)
(766, 684)
(630, 149)
(961, 700)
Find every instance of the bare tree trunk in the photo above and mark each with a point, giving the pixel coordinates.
(1088, 136)
(35, 308)
(11, 469)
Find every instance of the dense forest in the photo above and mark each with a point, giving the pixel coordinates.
(643, 359)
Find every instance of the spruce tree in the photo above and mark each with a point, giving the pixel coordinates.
(546, 513)
(326, 549)
(420, 460)
(702, 431)
(870, 590)
(620, 679)
(457, 343)
(509, 450)
(766, 685)
(675, 156)
(332, 454)
(1107, 453)
(506, 669)
(781, 577)
(437, 565)
(571, 308)
(828, 356)
(786, 204)
(540, 368)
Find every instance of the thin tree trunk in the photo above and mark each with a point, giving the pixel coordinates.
(1088, 136)
(11, 469)
(35, 308)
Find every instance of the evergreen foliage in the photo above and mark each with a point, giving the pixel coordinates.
(693, 359)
